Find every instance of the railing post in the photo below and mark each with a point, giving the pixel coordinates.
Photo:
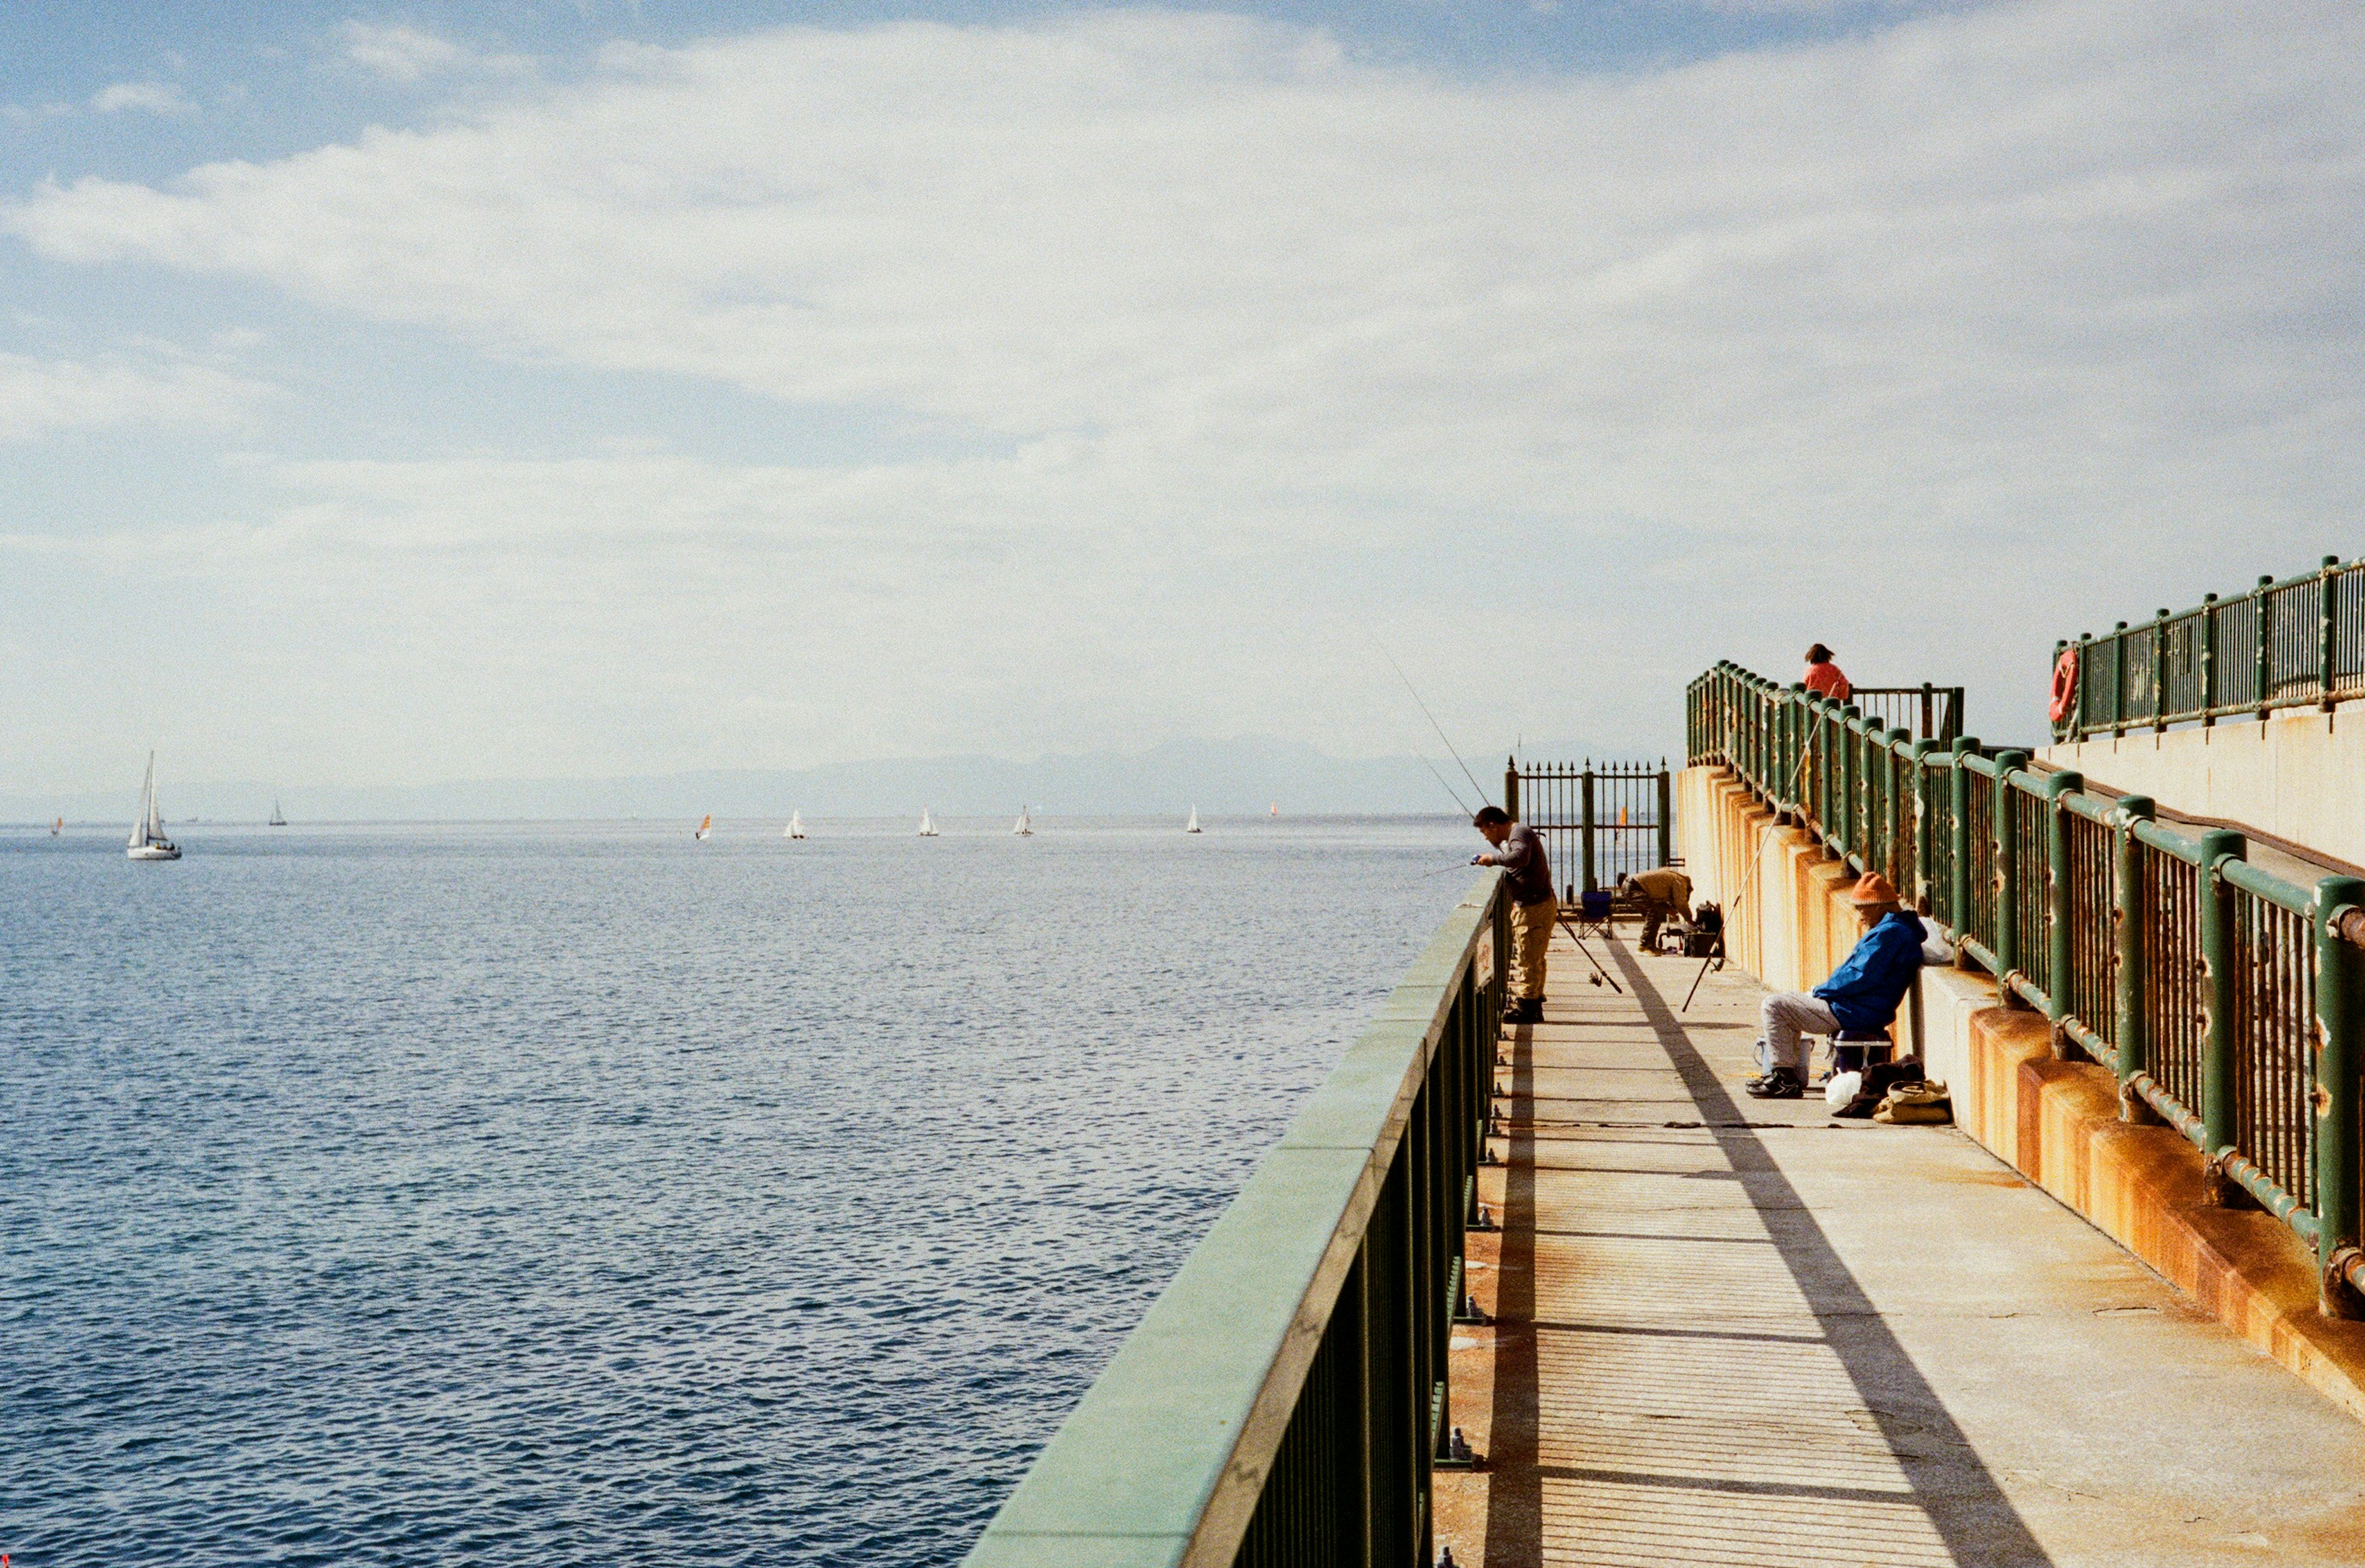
(2340, 1058)
(1795, 762)
(2159, 669)
(2218, 1066)
(2327, 629)
(1958, 873)
(1852, 775)
(2128, 987)
(2059, 949)
(1667, 814)
(2080, 709)
(2209, 662)
(1929, 706)
(1510, 788)
(2119, 681)
(2007, 877)
(1585, 835)
(1922, 892)
(2265, 641)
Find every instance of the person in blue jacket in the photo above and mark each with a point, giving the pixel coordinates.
(1861, 996)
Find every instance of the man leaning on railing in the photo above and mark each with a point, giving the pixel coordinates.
(1861, 997)
(1527, 879)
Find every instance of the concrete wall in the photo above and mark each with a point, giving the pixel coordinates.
(2296, 776)
(2057, 1123)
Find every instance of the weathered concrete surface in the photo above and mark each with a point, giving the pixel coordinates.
(1735, 1332)
(2293, 776)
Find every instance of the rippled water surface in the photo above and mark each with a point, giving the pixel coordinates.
(575, 1194)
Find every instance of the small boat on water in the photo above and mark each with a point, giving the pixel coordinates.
(57, 827)
(1192, 825)
(1024, 827)
(279, 817)
(148, 841)
(927, 824)
(1276, 808)
(705, 829)
(796, 828)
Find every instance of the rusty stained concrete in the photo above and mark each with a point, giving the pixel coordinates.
(1738, 1332)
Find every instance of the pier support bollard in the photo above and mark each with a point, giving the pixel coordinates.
(2219, 1070)
(2339, 1053)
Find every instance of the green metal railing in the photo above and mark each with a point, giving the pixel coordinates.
(1286, 1400)
(2299, 643)
(2229, 1002)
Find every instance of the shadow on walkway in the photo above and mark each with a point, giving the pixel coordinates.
(1696, 1439)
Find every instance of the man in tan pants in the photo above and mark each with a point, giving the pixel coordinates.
(1534, 910)
(1660, 893)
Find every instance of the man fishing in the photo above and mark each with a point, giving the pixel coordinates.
(1535, 910)
(1862, 995)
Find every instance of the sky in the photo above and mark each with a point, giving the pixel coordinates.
(400, 393)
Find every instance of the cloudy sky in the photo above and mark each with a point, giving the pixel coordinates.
(396, 393)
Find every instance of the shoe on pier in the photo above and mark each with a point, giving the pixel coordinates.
(1779, 1084)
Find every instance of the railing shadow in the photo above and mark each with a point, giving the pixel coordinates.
(1515, 1485)
(1971, 1517)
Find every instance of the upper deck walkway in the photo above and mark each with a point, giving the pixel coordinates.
(1733, 1331)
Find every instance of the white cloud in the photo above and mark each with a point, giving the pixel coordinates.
(405, 54)
(2059, 296)
(149, 97)
(39, 398)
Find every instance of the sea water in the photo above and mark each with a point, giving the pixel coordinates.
(579, 1194)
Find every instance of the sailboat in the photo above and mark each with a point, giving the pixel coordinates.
(57, 827)
(796, 828)
(705, 829)
(1276, 808)
(927, 824)
(279, 817)
(1024, 827)
(1192, 825)
(148, 841)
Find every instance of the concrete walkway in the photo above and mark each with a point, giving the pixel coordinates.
(1740, 1332)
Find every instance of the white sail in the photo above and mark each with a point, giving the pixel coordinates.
(1192, 825)
(705, 829)
(148, 841)
(279, 817)
(796, 828)
(927, 824)
(1024, 826)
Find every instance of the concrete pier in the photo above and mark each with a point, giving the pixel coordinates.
(1734, 1331)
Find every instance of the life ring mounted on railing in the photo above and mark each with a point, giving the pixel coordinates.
(2065, 686)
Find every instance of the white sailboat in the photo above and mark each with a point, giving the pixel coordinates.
(1192, 825)
(1024, 827)
(705, 829)
(927, 824)
(796, 828)
(148, 841)
(279, 817)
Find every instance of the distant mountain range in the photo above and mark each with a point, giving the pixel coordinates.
(1219, 777)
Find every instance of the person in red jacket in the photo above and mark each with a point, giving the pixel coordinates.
(1823, 677)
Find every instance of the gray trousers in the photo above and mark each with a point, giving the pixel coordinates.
(1786, 1015)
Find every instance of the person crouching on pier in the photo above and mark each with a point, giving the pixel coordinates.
(1660, 893)
(1861, 997)
(1521, 854)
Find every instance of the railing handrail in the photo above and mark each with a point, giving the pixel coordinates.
(1166, 1457)
(2029, 892)
(2296, 642)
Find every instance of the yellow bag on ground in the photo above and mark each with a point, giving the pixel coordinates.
(1916, 1105)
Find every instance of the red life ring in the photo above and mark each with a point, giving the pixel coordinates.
(2065, 685)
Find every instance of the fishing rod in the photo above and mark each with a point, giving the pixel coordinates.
(1749, 877)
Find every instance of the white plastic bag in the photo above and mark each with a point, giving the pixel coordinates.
(1841, 1089)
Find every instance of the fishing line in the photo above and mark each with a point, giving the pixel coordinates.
(1441, 779)
(1482, 799)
